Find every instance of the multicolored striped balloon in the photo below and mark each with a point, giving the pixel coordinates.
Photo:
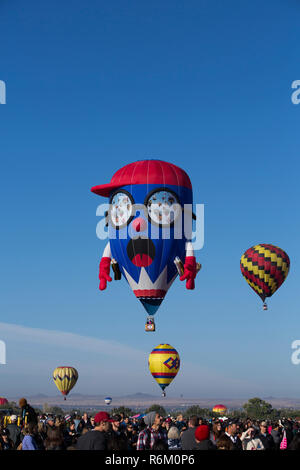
(220, 409)
(65, 378)
(265, 267)
(164, 364)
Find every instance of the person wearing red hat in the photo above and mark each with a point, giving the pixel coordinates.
(203, 441)
(149, 226)
(96, 439)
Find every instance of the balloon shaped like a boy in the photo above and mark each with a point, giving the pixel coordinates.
(150, 202)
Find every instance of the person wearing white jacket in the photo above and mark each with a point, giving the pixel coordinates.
(250, 442)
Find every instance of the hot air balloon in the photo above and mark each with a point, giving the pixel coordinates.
(3, 401)
(107, 400)
(265, 267)
(65, 378)
(220, 409)
(149, 228)
(164, 363)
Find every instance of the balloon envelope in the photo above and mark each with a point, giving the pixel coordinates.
(107, 400)
(65, 378)
(164, 364)
(265, 267)
(220, 409)
(146, 225)
(3, 401)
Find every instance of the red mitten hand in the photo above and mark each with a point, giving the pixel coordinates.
(104, 269)
(190, 272)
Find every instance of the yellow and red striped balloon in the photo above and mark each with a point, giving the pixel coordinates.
(164, 364)
(265, 267)
(65, 378)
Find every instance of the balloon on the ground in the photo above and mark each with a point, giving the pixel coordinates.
(265, 267)
(149, 226)
(107, 400)
(164, 364)
(65, 378)
(3, 401)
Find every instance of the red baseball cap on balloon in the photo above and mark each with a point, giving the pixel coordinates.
(145, 172)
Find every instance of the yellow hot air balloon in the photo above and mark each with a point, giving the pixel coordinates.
(164, 363)
(65, 378)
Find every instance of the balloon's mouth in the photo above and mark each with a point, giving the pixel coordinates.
(141, 252)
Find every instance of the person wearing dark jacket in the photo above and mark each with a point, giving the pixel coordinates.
(84, 423)
(70, 435)
(95, 439)
(188, 436)
(202, 439)
(277, 436)
(27, 412)
(14, 431)
(54, 440)
(265, 437)
(231, 434)
(6, 442)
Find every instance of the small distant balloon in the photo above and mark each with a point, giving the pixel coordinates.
(107, 400)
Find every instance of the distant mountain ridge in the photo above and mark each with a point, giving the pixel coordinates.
(142, 400)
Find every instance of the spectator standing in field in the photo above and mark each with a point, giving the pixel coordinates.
(265, 437)
(28, 414)
(54, 440)
(96, 439)
(14, 431)
(152, 432)
(6, 442)
(85, 422)
(174, 442)
(217, 431)
(180, 423)
(188, 441)
(250, 440)
(29, 442)
(203, 441)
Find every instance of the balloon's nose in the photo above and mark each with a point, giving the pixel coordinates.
(139, 224)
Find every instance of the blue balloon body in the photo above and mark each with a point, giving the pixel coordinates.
(146, 257)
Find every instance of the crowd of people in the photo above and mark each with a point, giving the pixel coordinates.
(152, 432)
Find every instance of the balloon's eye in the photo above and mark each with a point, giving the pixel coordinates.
(121, 209)
(163, 207)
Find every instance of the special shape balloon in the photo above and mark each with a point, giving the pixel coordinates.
(146, 215)
(65, 378)
(265, 267)
(164, 364)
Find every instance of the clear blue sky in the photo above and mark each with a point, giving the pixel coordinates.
(91, 86)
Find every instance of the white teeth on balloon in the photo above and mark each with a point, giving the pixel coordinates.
(145, 282)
